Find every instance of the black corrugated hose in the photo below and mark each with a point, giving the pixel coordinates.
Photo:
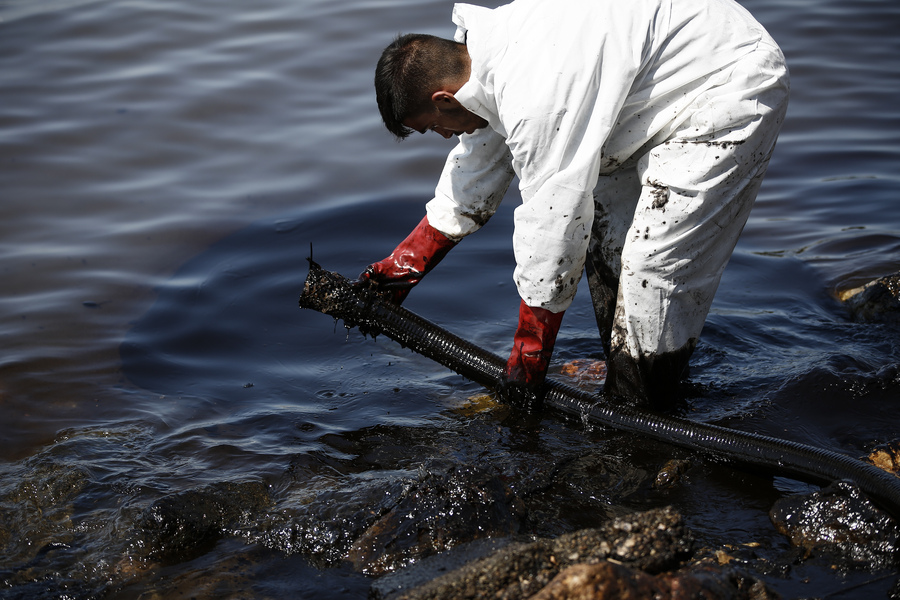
(360, 306)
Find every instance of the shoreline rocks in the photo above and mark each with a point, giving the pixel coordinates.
(636, 556)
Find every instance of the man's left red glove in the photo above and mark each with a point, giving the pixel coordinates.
(530, 356)
(422, 249)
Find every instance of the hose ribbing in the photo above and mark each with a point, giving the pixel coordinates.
(360, 306)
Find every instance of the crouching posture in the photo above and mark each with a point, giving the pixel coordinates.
(639, 132)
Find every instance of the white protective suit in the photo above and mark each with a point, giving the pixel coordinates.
(652, 120)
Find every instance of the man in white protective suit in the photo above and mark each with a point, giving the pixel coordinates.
(640, 133)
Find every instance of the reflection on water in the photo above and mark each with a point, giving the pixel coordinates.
(11, 10)
(164, 169)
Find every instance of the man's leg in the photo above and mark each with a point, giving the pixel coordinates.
(615, 199)
(684, 230)
(696, 193)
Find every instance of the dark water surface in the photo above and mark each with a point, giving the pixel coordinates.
(164, 168)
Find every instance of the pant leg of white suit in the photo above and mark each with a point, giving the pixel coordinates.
(665, 227)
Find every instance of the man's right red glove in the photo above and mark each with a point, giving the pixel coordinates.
(530, 356)
(422, 249)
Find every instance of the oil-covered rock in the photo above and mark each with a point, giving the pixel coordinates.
(886, 456)
(838, 521)
(877, 301)
(653, 540)
(442, 510)
(629, 557)
(385, 525)
(36, 508)
(184, 525)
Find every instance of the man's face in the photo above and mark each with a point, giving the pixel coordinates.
(446, 123)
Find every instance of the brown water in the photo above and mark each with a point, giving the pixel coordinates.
(164, 168)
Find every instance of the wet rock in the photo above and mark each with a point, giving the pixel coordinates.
(480, 404)
(877, 301)
(382, 525)
(441, 511)
(756, 557)
(36, 508)
(432, 567)
(886, 456)
(325, 527)
(581, 491)
(610, 581)
(671, 473)
(185, 525)
(651, 541)
(584, 373)
(840, 522)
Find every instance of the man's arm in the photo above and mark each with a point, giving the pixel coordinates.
(475, 178)
(474, 181)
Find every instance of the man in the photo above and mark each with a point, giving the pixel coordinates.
(640, 133)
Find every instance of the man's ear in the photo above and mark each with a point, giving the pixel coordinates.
(444, 99)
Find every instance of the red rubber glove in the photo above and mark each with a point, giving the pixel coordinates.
(530, 356)
(410, 261)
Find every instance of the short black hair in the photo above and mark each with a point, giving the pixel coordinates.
(409, 71)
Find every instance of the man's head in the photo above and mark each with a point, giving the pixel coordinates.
(415, 82)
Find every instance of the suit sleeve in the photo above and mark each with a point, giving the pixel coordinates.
(472, 185)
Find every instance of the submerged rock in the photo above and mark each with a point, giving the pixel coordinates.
(382, 525)
(324, 529)
(671, 473)
(183, 526)
(36, 506)
(877, 301)
(840, 522)
(442, 510)
(585, 373)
